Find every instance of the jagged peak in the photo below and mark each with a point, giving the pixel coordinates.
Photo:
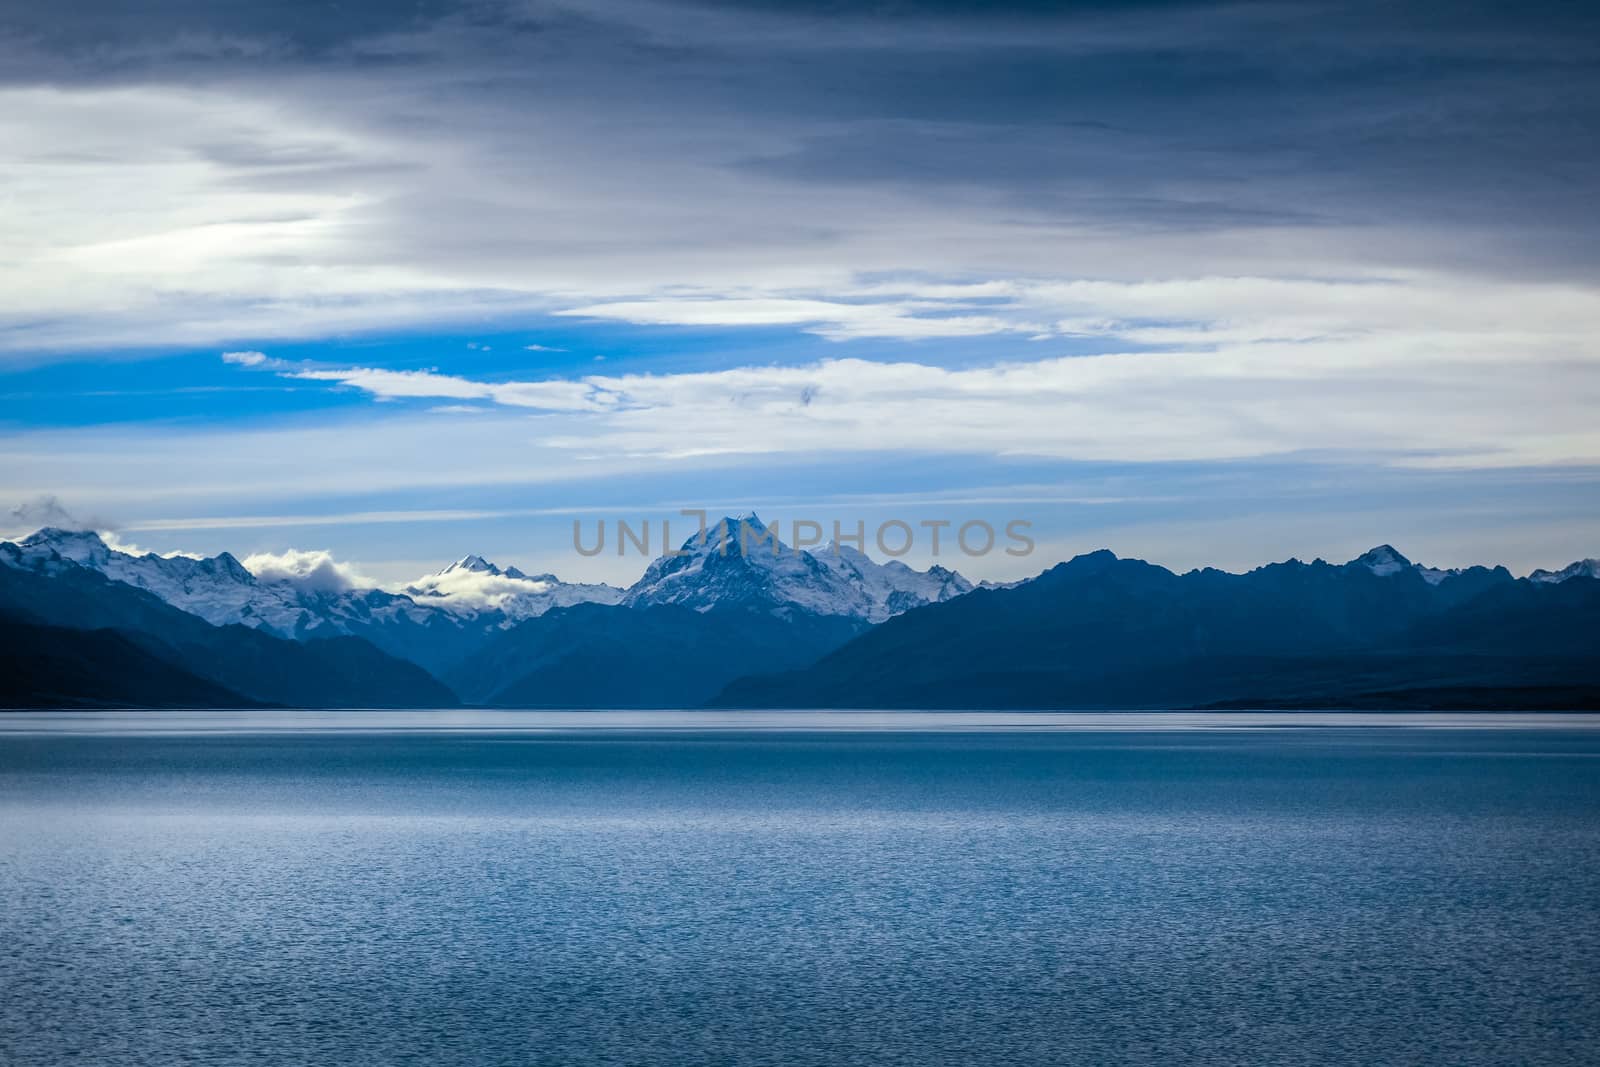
(731, 530)
(51, 535)
(1583, 568)
(1382, 560)
(745, 518)
(474, 563)
(227, 562)
(79, 546)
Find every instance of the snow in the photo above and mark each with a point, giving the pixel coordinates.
(1382, 561)
(219, 589)
(473, 585)
(1385, 562)
(738, 561)
(892, 587)
(1583, 568)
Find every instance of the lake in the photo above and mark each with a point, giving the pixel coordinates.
(450, 888)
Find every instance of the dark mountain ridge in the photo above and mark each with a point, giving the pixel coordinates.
(246, 665)
(597, 655)
(1099, 631)
(731, 626)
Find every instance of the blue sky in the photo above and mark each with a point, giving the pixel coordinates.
(1211, 284)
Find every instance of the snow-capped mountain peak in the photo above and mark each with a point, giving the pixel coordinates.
(893, 587)
(1583, 568)
(1386, 562)
(475, 564)
(472, 585)
(738, 561)
(1382, 561)
(76, 546)
(730, 535)
(149, 571)
(218, 588)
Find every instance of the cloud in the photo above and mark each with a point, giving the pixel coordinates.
(831, 319)
(552, 395)
(1357, 231)
(1412, 369)
(1423, 396)
(315, 571)
(46, 509)
(469, 591)
(244, 359)
(348, 518)
(117, 543)
(215, 176)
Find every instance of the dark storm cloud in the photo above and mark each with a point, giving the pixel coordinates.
(537, 147)
(127, 30)
(1481, 116)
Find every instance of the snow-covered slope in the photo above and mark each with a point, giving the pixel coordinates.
(1584, 568)
(1453, 583)
(473, 585)
(1382, 561)
(435, 617)
(892, 587)
(218, 589)
(739, 562)
(1385, 561)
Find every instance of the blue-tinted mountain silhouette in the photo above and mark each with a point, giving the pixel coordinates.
(749, 625)
(77, 638)
(1099, 631)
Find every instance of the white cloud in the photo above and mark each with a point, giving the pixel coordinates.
(393, 384)
(1406, 400)
(245, 359)
(831, 319)
(1414, 369)
(316, 571)
(459, 589)
(474, 590)
(347, 518)
(552, 395)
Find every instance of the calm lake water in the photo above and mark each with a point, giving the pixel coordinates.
(830, 889)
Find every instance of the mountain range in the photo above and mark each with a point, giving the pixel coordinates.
(738, 618)
(1099, 631)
